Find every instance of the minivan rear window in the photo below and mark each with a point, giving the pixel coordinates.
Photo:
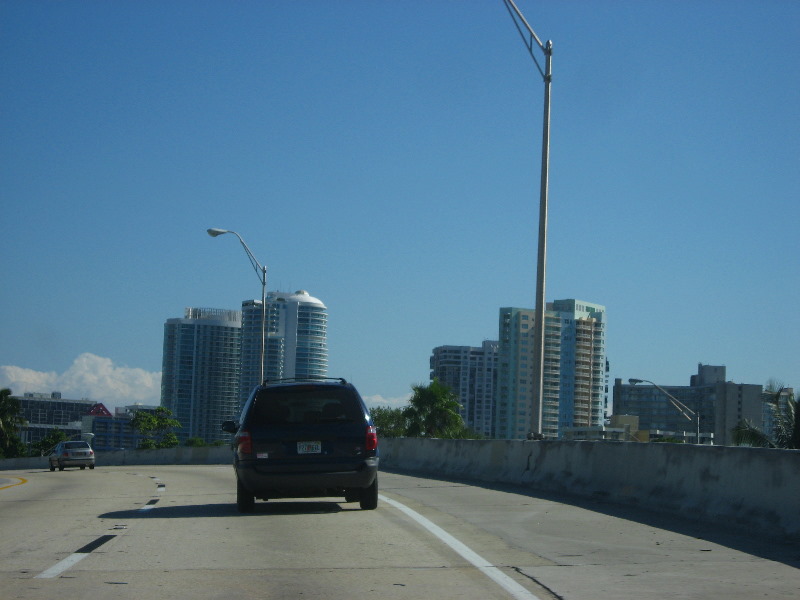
(305, 405)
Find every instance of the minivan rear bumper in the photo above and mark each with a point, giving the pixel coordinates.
(268, 481)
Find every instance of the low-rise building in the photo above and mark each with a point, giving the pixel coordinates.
(716, 406)
(77, 419)
(44, 413)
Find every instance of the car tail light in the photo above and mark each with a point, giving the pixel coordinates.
(372, 438)
(244, 442)
(65, 453)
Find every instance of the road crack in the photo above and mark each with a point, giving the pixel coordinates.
(537, 582)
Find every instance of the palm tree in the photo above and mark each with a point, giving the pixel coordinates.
(786, 432)
(433, 412)
(10, 420)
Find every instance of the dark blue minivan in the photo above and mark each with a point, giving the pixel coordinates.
(302, 439)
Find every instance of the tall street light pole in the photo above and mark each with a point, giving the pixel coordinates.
(687, 412)
(261, 271)
(530, 38)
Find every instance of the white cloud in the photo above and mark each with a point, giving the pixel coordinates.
(97, 378)
(378, 400)
(90, 376)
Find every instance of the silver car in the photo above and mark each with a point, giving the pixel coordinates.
(72, 454)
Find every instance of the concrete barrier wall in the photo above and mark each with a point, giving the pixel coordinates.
(753, 488)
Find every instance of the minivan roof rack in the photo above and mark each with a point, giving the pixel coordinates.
(341, 380)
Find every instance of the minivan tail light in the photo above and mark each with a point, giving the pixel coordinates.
(372, 438)
(244, 441)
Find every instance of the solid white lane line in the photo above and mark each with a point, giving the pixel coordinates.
(494, 573)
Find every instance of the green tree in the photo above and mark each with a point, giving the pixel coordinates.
(433, 412)
(390, 422)
(786, 419)
(157, 428)
(169, 440)
(48, 442)
(195, 442)
(10, 422)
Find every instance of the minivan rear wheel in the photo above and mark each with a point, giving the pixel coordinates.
(369, 496)
(245, 500)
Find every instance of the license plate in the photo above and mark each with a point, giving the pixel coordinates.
(309, 447)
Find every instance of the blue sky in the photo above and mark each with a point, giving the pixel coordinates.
(385, 157)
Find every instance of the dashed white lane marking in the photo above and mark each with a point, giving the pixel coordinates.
(74, 558)
(149, 506)
(494, 573)
(58, 568)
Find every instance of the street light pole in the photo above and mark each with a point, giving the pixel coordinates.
(261, 271)
(687, 412)
(538, 330)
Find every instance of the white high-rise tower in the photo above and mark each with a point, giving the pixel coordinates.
(296, 344)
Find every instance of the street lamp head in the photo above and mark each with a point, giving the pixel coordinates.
(214, 232)
(635, 381)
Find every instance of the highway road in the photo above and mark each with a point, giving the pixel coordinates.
(147, 532)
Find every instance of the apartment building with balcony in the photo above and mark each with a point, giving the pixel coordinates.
(200, 371)
(471, 372)
(575, 371)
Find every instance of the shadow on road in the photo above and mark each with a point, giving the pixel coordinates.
(162, 510)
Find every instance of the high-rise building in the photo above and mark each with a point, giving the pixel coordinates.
(574, 370)
(721, 405)
(471, 372)
(583, 366)
(296, 343)
(200, 373)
